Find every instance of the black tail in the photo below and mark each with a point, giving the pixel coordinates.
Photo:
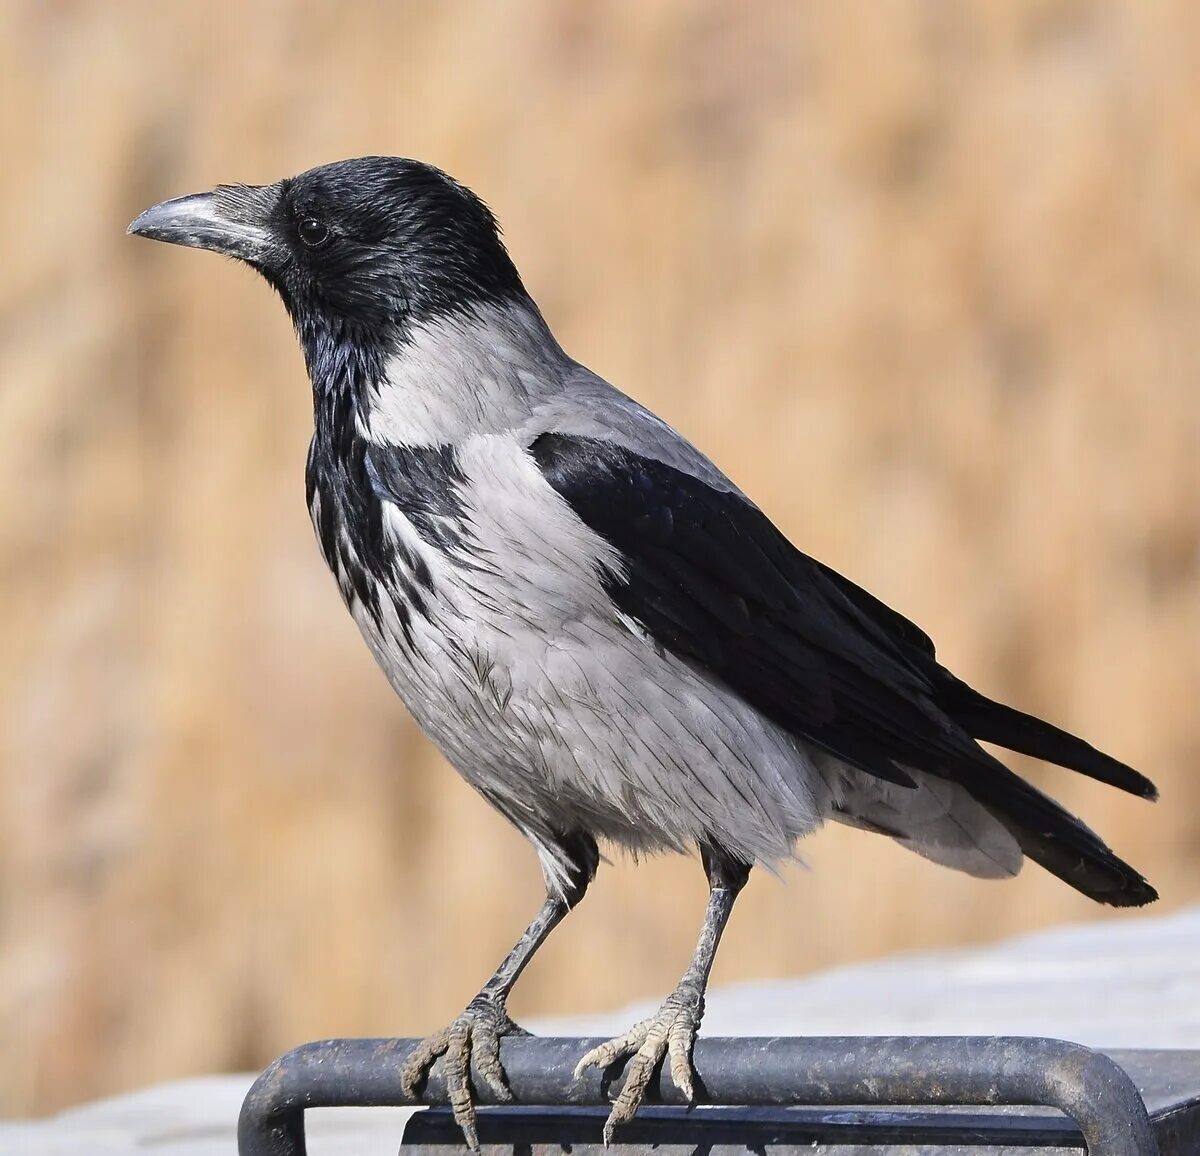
(993, 722)
(1046, 832)
(1053, 837)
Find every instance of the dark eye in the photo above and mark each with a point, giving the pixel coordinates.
(313, 233)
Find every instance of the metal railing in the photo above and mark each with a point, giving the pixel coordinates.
(1087, 1086)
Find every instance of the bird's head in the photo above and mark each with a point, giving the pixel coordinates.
(359, 250)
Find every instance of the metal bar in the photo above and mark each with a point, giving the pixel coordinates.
(787, 1131)
(1085, 1085)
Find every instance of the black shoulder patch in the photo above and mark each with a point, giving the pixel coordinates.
(350, 480)
(425, 484)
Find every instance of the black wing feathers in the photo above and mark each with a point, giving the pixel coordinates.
(993, 722)
(711, 583)
(710, 578)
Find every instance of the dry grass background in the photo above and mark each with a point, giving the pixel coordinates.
(925, 277)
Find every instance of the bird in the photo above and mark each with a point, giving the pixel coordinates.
(603, 634)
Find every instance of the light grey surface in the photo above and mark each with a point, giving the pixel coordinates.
(1129, 983)
(193, 1118)
(1122, 983)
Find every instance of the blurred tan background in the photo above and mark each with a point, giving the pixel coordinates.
(925, 277)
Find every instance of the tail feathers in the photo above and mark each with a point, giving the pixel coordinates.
(993, 722)
(1061, 843)
(936, 818)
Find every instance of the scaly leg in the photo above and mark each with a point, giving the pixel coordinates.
(476, 1033)
(672, 1029)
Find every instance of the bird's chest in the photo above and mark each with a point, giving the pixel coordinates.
(385, 568)
(473, 590)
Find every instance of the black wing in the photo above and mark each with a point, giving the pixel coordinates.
(712, 580)
(710, 577)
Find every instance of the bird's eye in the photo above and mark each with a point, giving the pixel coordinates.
(312, 232)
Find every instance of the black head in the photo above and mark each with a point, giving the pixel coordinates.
(359, 250)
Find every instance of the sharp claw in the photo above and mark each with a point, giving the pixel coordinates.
(681, 1077)
(500, 1089)
(603, 1055)
(464, 1117)
(599, 1057)
(630, 1099)
(486, 1053)
(679, 1045)
(671, 1032)
(413, 1074)
(475, 1035)
(591, 1060)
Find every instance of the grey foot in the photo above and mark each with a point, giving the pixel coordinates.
(473, 1036)
(672, 1031)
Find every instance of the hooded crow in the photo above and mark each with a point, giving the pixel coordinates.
(606, 638)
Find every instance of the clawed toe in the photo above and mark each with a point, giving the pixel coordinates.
(672, 1032)
(473, 1036)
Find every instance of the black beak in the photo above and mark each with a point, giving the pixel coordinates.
(233, 219)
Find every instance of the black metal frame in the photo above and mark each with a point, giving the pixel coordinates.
(1087, 1086)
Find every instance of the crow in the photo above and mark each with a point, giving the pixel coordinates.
(606, 638)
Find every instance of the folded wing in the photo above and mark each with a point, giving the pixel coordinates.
(709, 577)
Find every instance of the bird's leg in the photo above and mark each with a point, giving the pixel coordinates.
(475, 1035)
(672, 1029)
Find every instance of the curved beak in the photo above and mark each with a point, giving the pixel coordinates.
(233, 220)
